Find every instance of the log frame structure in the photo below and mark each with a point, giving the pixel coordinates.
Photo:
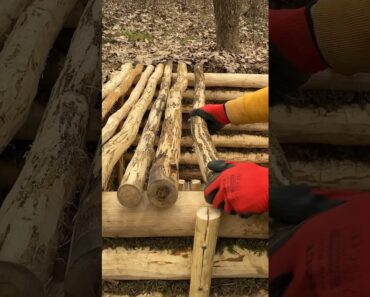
(116, 79)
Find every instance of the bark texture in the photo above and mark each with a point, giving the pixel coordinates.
(22, 61)
(202, 142)
(130, 192)
(30, 214)
(118, 144)
(117, 118)
(227, 15)
(164, 174)
(147, 220)
(116, 80)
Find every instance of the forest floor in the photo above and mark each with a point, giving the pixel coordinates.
(137, 33)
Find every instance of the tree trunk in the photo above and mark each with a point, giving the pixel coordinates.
(28, 44)
(207, 224)
(83, 268)
(164, 174)
(147, 220)
(118, 144)
(121, 90)
(116, 79)
(202, 142)
(130, 192)
(115, 119)
(30, 214)
(227, 13)
(139, 264)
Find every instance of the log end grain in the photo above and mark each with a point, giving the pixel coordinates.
(129, 195)
(13, 275)
(162, 192)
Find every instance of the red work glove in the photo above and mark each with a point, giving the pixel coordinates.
(326, 253)
(214, 115)
(238, 188)
(294, 54)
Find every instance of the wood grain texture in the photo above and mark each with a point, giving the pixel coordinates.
(140, 264)
(146, 220)
(31, 212)
(118, 144)
(116, 79)
(130, 192)
(164, 175)
(207, 225)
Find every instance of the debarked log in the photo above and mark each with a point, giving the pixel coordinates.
(147, 220)
(139, 264)
(116, 79)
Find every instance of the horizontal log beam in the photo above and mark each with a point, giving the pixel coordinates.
(347, 125)
(147, 220)
(144, 264)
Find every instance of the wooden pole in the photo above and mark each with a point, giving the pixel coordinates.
(138, 264)
(147, 220)
(215, 95)
(258, 127)
(205, 239)
(118, 144)
(130, 192)
(83, 268)
(28, 44)
(164, 175)
(280, 171)
(116, 79)
(204, 148)
(121, 90)
(196, 185)
(30, 214)
(117, 118)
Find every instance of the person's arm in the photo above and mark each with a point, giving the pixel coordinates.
(249, 108)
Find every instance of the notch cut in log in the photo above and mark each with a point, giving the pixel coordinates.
(116, 79)
(202, 142)
(121, 90)
(130, 192)
(18, 81)
(49, 179)
(118, 144)
(164, 175)
(147, 220)
(139, 264)
(117, 118)
(207, 224)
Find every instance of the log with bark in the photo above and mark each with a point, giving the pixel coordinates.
(280, 172)
(116, 118)
(207, 225)
(130, 192)
(204, 148)
(346, 125)
(147, 220)
(121, 90)
(83, 274)
(139, 264)
(118, 144)
(164, 174)
(116, 79)
(28, 44)
(29, 216)
(215, 95)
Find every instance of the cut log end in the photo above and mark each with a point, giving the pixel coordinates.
(208, 213)
(162, 193)
(12, 275)
(129, 195)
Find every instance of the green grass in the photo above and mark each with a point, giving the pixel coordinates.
(138, 36)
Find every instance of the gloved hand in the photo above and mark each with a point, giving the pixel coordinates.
(238, 188)
(294, 54)
(214, 115)
(326, 253)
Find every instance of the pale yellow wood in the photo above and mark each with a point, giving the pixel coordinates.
(140, 264)
(118, 144)
(116, 79)
(28, 44)
(196, 185)
(146, 220)
(130, 192)
(32, 211)
(207, 225)
(181, 185)
(164, 175)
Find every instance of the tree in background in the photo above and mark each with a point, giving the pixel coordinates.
(227, 13)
